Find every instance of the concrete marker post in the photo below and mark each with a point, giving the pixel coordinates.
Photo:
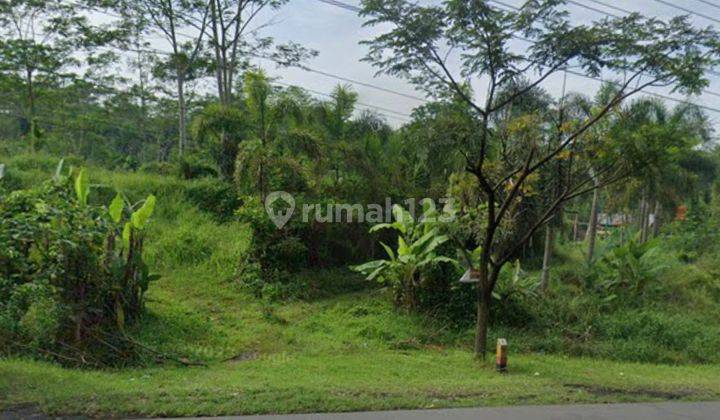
(501, 354)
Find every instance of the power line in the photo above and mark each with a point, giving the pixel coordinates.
(349, 80)
(658, 95)
(342, 5)
(602, 80)
(302, 67)
(610, 6)
(378, 108)
(709, 71)
(709, 3)
(593, 9)
(357, 82)
(400, 116)
(704, 16)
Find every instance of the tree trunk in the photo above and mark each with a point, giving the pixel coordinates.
(592, 224)
(549, 239)
(656, 222)
(575, 229)
(484, 300)
(229, 153)
(216, 47)
(31, 110)
(182, 129)
(644, 215)
(482, 322)
(264, 140)
(411, 300)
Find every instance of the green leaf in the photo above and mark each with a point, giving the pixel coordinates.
(381, 226)
(116, 208)
(371, 269)
(126, 234)
(402, 218)
(444, 259)
(82, 187)
(436, 242)
(142, 215)
(476, 253)
(58, 170)
(377, 271)
(389, 251)
(368, 266)
(436, 260)
(403, 248)
(417, 245)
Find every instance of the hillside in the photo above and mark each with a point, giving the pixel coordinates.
(345, 346)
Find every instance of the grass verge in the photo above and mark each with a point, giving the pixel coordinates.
(363, 380)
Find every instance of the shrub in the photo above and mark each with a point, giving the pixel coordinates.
(214, 196)
(71, 273)
(418, 243)
(274, 257)
(160, 168)
(192, 167)
(265, 270)
(629, 270)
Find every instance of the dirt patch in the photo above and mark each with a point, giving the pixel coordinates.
(32, 412)
(24, 411)
(602, 391)
(243, 357)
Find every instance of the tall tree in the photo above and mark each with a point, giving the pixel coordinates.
(417, 43)
(235, 41)
(39, 40)
(174, 19)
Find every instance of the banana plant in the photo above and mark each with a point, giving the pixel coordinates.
(129, 268)
(418, 243)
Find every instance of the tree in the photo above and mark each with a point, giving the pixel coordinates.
(39, 40)
(234, 41)
(220, 128)
(666, 141)
(419, 44)
(169, 17)
(334, 115)
(597, 148)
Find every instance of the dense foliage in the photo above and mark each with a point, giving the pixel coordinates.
(586, 224)
(72, 277)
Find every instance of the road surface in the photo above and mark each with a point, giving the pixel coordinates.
(649, 411)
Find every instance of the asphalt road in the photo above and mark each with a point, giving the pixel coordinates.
(649, 411)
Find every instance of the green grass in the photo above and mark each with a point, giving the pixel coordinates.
(361, 379)
(346, 349)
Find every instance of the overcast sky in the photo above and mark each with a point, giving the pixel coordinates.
(336, 32)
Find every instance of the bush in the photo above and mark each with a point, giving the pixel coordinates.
(160, 168)
(192, 167)
(272, 256)
(214, 196)
(275, 256)
(72, 273)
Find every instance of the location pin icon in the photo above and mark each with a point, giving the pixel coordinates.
(279, 217)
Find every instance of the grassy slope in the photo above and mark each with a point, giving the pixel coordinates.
(347, 352)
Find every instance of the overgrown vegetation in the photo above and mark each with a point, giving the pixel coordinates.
(584, 228)
(73, 275)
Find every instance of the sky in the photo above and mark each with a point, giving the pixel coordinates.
(336, 32)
